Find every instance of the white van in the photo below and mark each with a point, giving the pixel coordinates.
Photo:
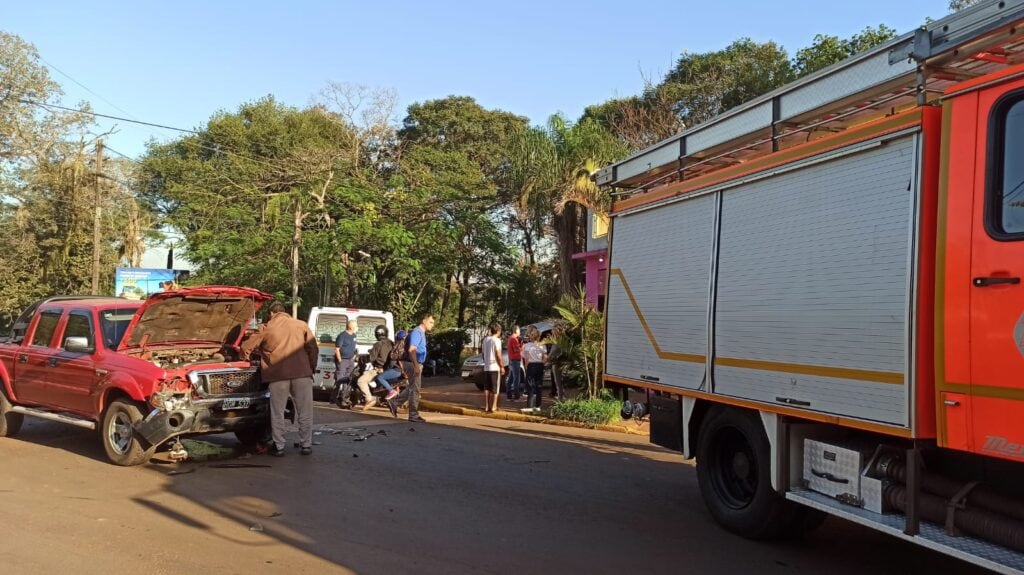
(327, 322)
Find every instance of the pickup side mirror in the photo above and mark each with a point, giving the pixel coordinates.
(77, 345)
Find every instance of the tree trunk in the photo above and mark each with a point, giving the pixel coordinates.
(566, 227)
(463, 299)
(447, 298)
(296, 242)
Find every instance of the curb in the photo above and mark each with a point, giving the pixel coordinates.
(438, 407)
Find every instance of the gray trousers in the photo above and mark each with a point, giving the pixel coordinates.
(301, 392)
(411, 393)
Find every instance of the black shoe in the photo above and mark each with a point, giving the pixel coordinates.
(307, 451)
(417, 419)
(276, 452)
(392, 408)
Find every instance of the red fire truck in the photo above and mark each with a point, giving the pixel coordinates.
(821, 292)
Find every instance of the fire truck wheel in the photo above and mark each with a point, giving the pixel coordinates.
(117, 436)
(10, 423)
(734, 474)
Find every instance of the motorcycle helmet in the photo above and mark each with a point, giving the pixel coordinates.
(380, 332)
(401, 334)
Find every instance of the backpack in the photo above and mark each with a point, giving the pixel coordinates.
(398, 351)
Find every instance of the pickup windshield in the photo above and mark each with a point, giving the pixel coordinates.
(113, 323)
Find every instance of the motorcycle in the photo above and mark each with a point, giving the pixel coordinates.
(346, 394)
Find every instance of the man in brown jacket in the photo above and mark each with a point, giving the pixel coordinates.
(288, 356)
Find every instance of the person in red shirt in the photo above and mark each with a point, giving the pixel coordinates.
(513, 385)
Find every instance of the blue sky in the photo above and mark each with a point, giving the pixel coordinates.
(176, 63)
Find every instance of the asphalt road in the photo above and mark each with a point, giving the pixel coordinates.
(457, 495)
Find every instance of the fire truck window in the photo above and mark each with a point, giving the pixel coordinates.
(1010, 201)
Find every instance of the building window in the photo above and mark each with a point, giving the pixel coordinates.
(598, 226)
(1005, 194)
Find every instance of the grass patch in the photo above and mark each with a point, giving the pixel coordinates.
(599, 411)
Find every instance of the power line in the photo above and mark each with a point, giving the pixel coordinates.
(86, 88)
(220, 149)
(107, 116)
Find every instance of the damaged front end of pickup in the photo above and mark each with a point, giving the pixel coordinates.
(206, 401)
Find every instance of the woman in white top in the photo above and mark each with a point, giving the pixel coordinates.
(534, 356)
(493, 367)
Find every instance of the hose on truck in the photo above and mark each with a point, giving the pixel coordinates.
(969, 508)
(980, 496)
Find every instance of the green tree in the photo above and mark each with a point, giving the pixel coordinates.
(705, 85)
(251, 188)
(827, 50)
(454, 152)
(958, 5)
(48, 188)
(555, 166)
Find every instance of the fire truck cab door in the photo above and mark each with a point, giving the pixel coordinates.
(997, 270)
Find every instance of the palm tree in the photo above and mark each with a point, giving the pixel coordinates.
(551, 172)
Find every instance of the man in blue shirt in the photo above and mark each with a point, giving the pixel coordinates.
(345, 353)
(415, 356)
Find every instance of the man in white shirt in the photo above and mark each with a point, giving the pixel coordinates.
(493, 367)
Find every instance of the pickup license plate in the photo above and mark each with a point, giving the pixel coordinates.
(236, 403)
(466, 373)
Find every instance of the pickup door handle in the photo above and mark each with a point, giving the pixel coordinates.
(985, 282)
(22, 358)
(52, 362)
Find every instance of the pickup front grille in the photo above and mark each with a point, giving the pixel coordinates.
(236, 382)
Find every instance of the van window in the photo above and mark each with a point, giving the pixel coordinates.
(329, 326)
(48, 321)
(1006, 185)
(364, 334)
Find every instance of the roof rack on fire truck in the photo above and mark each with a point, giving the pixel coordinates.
(905, 72)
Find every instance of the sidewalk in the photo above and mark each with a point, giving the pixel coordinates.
(452, 395)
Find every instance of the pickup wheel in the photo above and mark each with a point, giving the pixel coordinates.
(118, 437)
(734, 474)
(10, 423)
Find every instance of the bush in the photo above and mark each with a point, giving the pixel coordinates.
(447, 345)
(595, 411)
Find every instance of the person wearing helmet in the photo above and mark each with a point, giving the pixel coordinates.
(379, 368)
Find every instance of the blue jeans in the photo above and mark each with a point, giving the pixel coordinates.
(515, 378)
(534, 381)
(383, 377)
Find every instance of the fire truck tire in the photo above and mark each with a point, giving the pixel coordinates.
(734, 474)
(117, 436)
(10, 423)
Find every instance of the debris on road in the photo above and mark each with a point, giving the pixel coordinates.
(256, 527)
(182, 471)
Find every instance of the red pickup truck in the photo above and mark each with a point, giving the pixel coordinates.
(140, 373)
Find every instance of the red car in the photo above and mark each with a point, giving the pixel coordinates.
(140, 373)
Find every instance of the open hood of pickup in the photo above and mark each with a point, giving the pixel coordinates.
(200, 314)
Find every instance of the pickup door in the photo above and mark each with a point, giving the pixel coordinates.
(31, 360)
(72, 374)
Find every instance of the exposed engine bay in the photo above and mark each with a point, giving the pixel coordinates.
(182, 357)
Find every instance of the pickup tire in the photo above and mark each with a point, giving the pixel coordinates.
(10, 423)
(734, 474)
(118, 437)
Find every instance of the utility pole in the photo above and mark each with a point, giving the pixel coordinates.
(96, 236)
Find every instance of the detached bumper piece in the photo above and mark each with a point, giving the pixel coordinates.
(161, 425)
